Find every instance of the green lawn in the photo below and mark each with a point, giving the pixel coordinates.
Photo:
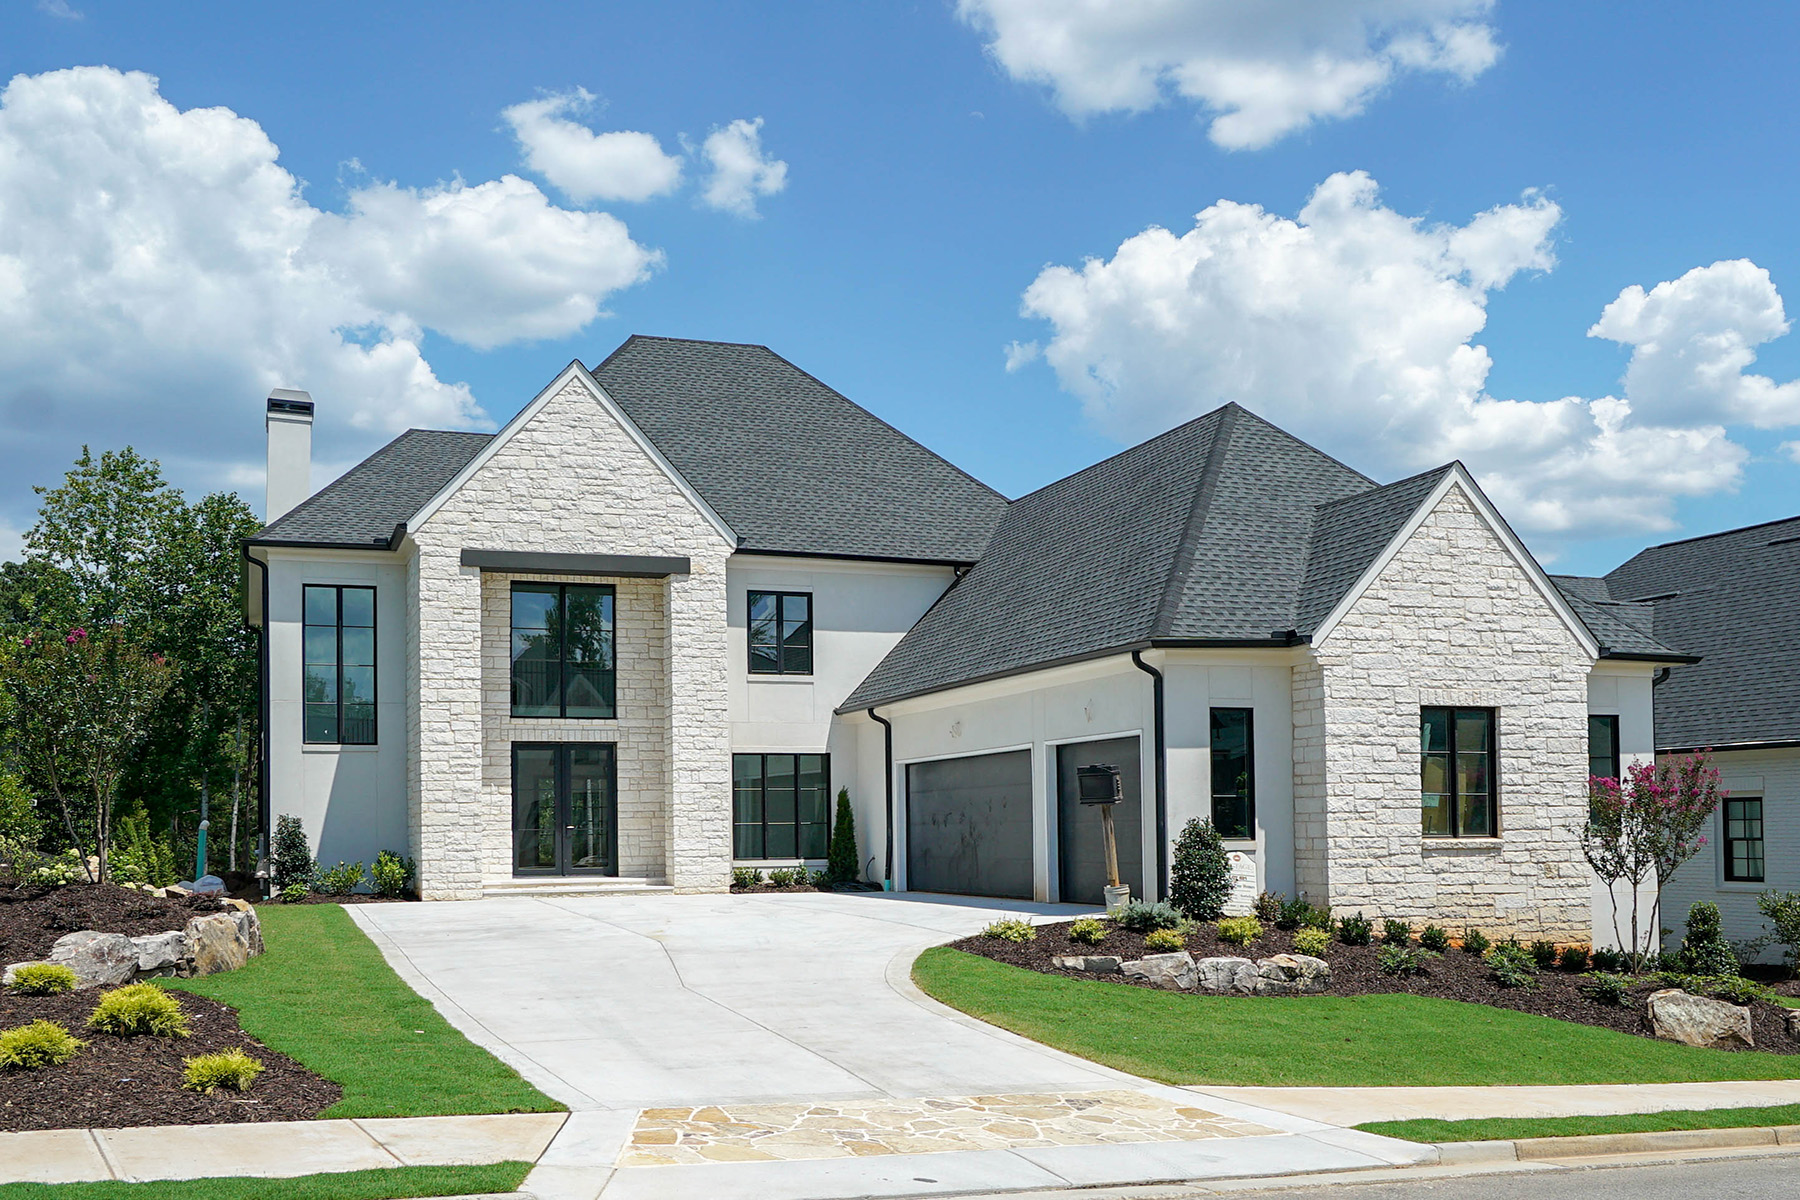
(387, 1184)
(323, 995)
(1508, 1128)
(1330, 1041)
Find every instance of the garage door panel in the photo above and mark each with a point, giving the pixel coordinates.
(1081, 842)
(968, 826)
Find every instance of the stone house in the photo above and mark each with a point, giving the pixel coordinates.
(650, 628)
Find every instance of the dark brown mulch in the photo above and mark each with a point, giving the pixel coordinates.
(114, 1082)
(32, 918)
(1354, 972)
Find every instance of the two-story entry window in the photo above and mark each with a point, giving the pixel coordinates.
(562, 650)
(1456, 772)
(780, 805)
(338, 635)
(781, 633)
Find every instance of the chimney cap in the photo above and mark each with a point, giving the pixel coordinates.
(291, 402)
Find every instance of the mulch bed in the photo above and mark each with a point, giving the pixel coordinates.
(32, 918)
(115, 1082)
(1455, 976)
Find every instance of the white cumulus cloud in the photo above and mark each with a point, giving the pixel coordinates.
(1020, 355)
(1354, 326)
(586, 166)
(160, 270)
(1262, 71)
(739, 169)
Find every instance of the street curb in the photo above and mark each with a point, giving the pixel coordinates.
(1606, 1144)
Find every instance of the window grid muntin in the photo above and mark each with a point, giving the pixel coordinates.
(607, 596)
(1452, 769)
(1744, 857)
(750, 807)
(358, 729)
(1240, 801)
(788, 658)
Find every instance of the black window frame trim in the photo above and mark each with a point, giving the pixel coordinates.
(562, 650)
(1213, 793)
(338, 662)
(812, 633)
(1726, 840)
(1618, 757)
(1454, 795)
(825, 762)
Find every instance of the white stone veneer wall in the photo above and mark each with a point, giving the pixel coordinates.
(1452, 620)
(570, 480)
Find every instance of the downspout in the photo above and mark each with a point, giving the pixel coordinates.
(262, 771)
(888, 782)
(1162, 774)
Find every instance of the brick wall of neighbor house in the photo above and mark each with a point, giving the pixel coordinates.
(1452, 620)
(570, 480)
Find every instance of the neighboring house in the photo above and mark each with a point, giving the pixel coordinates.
(1732, 598)
(648, 629)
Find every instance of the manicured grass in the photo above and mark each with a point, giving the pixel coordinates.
(389, 1184)
(1327, 1041)
(323, 995)
(1508, 1128)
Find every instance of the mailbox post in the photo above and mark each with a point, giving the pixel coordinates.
(1100, 786)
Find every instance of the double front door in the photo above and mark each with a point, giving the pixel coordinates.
(565, 808)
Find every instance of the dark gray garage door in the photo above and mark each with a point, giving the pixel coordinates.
(1081, 841)
(968, 825)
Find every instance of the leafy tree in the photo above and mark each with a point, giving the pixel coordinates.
(840, 865)
(1200, 878)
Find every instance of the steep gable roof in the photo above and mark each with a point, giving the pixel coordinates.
(361, 507)
(1350, 534)
(1731, 598)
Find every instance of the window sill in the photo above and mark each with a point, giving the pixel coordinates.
(1744, 885)
(1439, 842)
(755, 678)
(335, 748)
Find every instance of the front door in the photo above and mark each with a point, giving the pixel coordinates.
(565, 809)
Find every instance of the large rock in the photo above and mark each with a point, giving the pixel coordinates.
(1172, 971)
(1292, 975)
(1226, 975)
(162, 953)
(1792, 1017)
(1103, 964)
(98, 959)
(219, 943)
(1699, 1020)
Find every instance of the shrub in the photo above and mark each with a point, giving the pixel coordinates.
(1783, 911)
(1573, 958)
(818, 879)
(1607, 961)
(1475, 942)
(745, 877)
(840, 855)
(1604, 987)
(1141, 916)
(1435, 938)
(138, 855)
(293, 893)
(787, 876)
(1356, 931)
(1089, 931)
(1512, 966)
(230, 1069)
(1239, 931)
(43, 979)
(1011, 929)
(340, 880)
(139, 1008)
(39, 1044)
(1317, 917)
(1268, 907)
(1396, 958)
(1200, 877)
(1293, 913)
(290, 858)
(1396, 933)
(1543, 954)
(392, 874)
(1311, 941)
(1735, 989)
(1705, 951)
(1164, 941)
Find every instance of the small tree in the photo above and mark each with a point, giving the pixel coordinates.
(1200, 879)
(1783, 911)
(290, 858)
(1704, 951)
(840, 866)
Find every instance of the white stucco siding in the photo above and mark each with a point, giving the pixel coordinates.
(1775, 776)
(1453, 618)
(1623, 690)
(351, 799)
(568, 478)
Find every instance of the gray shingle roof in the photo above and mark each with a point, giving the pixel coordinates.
(1200, 534)
(1348, 535)
(790, 464)
(1734, 599)
(362, 506)
(1623, 629)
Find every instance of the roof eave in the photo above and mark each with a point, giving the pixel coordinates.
(1647, 657)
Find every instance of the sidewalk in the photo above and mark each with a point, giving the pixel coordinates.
(1358, 1106)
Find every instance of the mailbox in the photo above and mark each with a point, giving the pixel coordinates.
(1099, 784)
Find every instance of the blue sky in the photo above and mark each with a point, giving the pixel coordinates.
(933, 169)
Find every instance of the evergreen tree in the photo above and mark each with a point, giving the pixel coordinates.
(1200, 881)
(840, 866)
(290, 858)
(1705, 951)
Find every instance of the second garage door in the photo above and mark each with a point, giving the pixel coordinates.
(968, 825)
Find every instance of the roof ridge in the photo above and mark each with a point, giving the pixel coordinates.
(1132, 449)
(1382, 487)
(1701, 537)
(1264, 421)
(1198, 509)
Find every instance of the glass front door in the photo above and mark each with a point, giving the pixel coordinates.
(565, 809)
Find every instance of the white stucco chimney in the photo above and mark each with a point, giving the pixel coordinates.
(290, 452)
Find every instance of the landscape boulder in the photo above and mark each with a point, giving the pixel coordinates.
(98, 959)
(1792, 1017)
(1699, 1020)
(1172, 971)
(162, 953)
(218, 942)
(1292, 975)
(1103, 964)
(1226, 975)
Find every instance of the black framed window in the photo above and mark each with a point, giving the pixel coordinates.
(1744, 839)
(781, 633)
(562, 650)
(1603, 745)
(338, 636)
(780, 805)
(1233, 773)
(1456, 772)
